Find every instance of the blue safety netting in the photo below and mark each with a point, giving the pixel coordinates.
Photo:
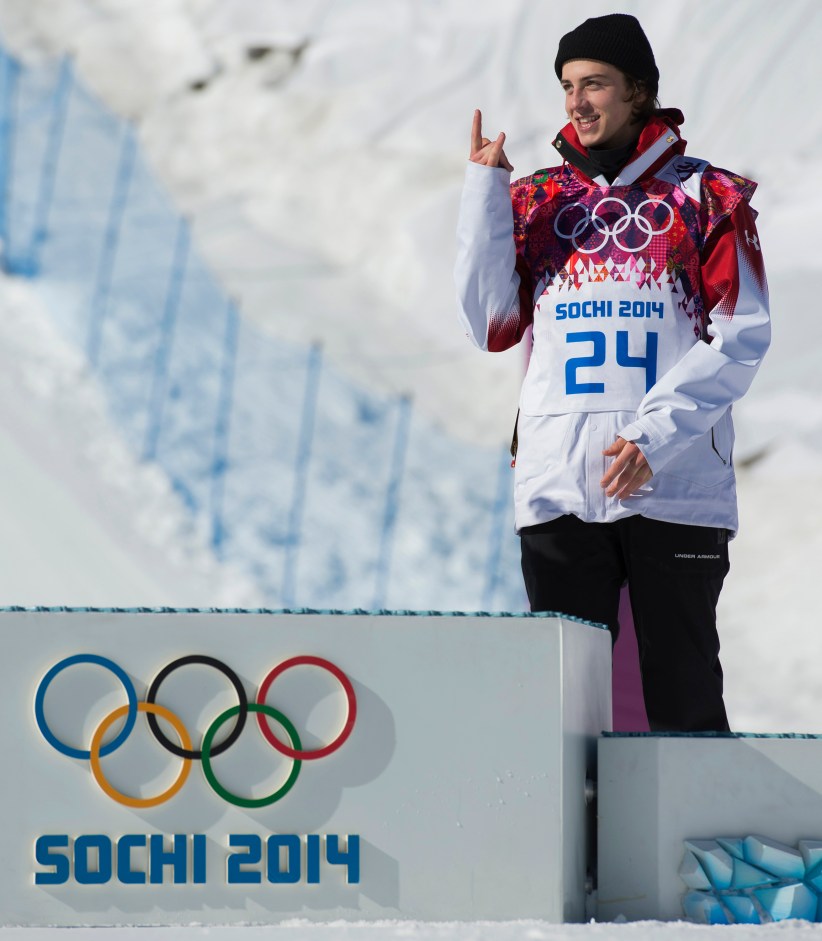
(327, 494)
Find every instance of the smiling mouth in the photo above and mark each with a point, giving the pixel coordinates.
(588, 122)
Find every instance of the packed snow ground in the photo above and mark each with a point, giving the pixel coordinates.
(323, 179)
(435, 931)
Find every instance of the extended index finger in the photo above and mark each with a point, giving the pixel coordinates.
(476, 132)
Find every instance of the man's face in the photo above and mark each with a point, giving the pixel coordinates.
(598, 102)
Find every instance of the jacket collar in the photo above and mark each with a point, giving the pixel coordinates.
(658, 141)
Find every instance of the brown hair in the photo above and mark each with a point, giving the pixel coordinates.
(649, 105)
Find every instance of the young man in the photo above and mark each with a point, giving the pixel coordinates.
(640, 271)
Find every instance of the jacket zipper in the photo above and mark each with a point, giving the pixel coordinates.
(515, 441)
(713, 445)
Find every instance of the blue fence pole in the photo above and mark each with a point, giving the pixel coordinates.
(9, 74)
(48, 173)
(392, 499)
(165, 340)
(111, 239)
(499, 523)
(295, 517)
(219, 463)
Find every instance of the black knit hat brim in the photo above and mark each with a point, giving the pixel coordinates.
(616, 39)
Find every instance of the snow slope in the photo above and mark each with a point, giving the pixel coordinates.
(323, 178)
(83, 523)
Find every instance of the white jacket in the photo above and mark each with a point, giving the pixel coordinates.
(649, 308)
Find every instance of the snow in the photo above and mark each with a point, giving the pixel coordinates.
(346, 156)
(433, 931)
(436, 931)
(323, 180)
(83, 523)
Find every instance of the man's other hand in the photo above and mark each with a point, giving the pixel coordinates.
(629, 472)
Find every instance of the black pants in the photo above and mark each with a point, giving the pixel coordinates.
(674, 573)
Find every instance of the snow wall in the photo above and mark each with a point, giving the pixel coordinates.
(326, 494)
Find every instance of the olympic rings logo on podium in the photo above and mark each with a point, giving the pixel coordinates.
(184, 749)
(593, 218)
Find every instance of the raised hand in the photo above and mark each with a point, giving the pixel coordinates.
(485, 151)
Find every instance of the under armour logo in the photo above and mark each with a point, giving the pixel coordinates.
(752, 240)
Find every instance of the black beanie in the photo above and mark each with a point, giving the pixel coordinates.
(617, 39)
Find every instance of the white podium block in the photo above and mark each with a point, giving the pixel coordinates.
(716, 828)
(175, 767)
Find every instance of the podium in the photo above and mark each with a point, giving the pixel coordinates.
(718, 828)
(216, 767)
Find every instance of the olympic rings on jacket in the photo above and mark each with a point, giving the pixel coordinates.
(592, 217)
(185, 749)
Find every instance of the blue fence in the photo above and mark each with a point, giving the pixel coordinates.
(327, 494)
